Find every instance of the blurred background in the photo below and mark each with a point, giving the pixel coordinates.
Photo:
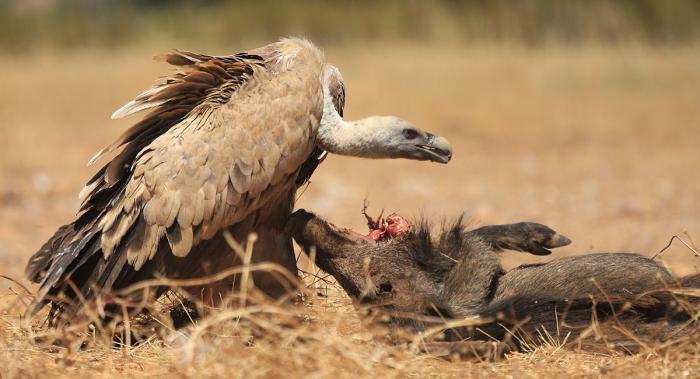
(584, 115)
(29, 25)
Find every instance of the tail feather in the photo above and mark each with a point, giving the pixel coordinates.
(71, 261)
(41, 261)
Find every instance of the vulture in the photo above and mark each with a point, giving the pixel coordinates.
(224, 145)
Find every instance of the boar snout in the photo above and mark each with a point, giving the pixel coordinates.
(309, 230)
(297, 224)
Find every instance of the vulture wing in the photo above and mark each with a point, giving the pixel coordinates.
(224, 136)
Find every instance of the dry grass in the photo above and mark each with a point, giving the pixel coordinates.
(601, 144)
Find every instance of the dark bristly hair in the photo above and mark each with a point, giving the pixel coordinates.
(457, 274)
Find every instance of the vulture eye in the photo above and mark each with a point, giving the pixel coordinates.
(384, 288)
(410, 133)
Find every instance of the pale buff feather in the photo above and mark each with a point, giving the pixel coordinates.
(243, 174)
(137, 199)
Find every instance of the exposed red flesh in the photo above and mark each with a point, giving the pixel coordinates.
(382, 229)
(397, 225)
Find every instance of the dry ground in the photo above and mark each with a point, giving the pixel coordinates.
(599, 143)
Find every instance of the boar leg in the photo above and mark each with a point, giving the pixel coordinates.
(471, 284)
(528, 237)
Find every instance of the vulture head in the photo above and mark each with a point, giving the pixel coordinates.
(393, 137)
(374, 136)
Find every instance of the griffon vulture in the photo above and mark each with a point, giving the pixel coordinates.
(226, 143)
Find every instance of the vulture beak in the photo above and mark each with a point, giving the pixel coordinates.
(436, 148)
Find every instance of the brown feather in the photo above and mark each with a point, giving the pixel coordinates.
(178, 146)
(180, 240)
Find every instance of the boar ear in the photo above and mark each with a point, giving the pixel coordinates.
(427, 255)
(453, 238)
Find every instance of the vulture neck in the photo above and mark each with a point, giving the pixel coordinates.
(365, 138)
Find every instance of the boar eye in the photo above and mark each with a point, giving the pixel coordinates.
(385, 288)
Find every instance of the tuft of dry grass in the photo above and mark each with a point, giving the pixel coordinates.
(599, 143)
(321, 335)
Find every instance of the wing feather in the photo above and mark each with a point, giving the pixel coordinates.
(180, 240)
(190, 167)
(185, 215)
(198, 207)
(218, 183)
(240, 181)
